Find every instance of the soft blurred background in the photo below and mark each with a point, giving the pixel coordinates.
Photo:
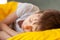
(43, 4)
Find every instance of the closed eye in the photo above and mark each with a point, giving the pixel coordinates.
(35, 22)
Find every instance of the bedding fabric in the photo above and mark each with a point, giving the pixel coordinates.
(6, 9)
(53, 34)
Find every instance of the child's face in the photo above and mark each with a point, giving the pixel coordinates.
(32, 23)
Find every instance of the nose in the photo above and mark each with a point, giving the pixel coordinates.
(27, 28)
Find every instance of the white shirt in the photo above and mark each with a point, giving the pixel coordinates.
(23, 11)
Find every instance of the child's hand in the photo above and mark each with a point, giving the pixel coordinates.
(8, 30)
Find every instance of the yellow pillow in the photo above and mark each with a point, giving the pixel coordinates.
(42, 35)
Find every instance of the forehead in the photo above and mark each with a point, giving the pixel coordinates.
(34, 18)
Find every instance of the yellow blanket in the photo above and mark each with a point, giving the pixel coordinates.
(42, 35)
(6, 9)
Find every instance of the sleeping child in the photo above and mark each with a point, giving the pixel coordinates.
(43, 20)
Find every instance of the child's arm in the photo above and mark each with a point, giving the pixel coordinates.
(10, 18)
(8, 30)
